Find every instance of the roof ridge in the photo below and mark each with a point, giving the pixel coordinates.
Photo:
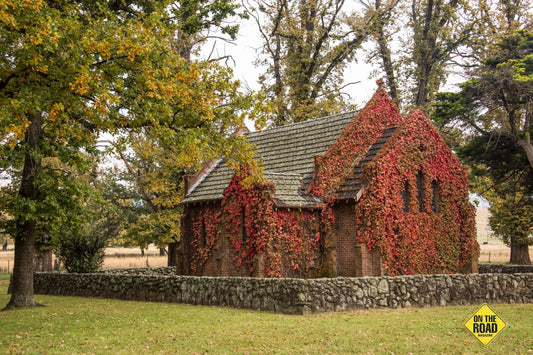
(309, 121)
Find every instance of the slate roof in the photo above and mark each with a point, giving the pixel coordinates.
(288, 193)
(353, 184)
(288, 157)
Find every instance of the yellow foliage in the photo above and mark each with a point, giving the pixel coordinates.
(17, 132)
(39, 64)
(81, 83)
(43, 32)
(55, 110)
(33, 4)
(7, 8)
(104, 49)
(6, 16)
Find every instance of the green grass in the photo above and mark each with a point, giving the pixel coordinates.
(81, 325)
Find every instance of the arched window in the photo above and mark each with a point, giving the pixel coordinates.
(203, 235)
(244, 236)
(435, 201)
(420, 191)
(406, 195)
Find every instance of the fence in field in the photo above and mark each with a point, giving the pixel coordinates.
(6, 266)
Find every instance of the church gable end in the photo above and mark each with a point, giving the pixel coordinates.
(415, 207)
(332, 168)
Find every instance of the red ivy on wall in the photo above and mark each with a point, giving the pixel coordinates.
(295, 243)
(396, 213)
(288, 240)
(205, 234)
(378, 114)
(413, 241)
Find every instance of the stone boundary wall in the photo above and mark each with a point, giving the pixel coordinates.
(149, 271)
(504, 269)
(296, 296)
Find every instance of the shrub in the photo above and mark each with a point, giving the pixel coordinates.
(81, 251)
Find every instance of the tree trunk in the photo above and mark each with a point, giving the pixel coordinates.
(25, 238)
(4, 247)
(528, 149)
(22, 283)
(44, 261)
(519, 253)
(173, 254)
(421, 96)
(386, 56)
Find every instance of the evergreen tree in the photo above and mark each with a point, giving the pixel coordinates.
(495, 109)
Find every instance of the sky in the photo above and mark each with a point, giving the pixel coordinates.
(246, 49)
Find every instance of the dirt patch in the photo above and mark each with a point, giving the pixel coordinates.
(112, 262)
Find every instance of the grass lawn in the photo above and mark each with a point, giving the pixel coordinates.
(69, 325)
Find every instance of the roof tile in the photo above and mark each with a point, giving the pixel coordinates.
(288, 156)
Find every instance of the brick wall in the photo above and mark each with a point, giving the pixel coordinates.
(368, 262)
(353, 259)
(345, 258)
(344, 239)
(220, 261)
(221, 258)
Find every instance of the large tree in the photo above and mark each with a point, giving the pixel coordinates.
(200, 20)
(495, 110)
(157, 159)
(416, 42)
(69, 71)
(307, 45)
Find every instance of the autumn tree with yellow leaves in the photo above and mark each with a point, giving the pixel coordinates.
(71, 70)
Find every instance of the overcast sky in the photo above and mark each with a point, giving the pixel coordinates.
(247, 47)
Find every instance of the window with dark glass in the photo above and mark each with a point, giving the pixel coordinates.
(203, 236)
(406, 197)
(420, 191)
(435, 201)
(243, 224)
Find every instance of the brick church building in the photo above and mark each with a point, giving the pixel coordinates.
(365, 193)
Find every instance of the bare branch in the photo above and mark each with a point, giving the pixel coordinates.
(136, 175)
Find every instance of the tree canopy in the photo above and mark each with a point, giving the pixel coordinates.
(494, 108)
(72, 70)
(416, 44)
(306, 48)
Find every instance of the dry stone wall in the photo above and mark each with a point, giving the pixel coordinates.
(504, 269)
(295, 296)
(149, 271)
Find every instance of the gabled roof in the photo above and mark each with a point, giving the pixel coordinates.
(353, 184)
(288, 157)
(338, 147)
